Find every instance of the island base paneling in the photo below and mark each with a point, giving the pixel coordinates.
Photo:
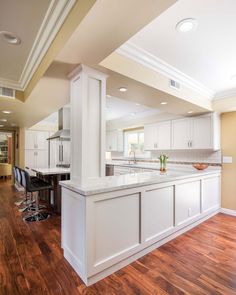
(103, 232)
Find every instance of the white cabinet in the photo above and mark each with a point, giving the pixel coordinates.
(36, 159)
(36, 149)
(202, 132)
(114, 141)
(36, 139)
(187, 201)
(157, 136)
(210, 193)
(181, 134)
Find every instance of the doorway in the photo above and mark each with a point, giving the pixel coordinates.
(6, 154)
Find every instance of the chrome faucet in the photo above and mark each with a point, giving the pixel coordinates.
(134, 158)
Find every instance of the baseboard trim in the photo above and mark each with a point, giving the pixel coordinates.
(228, 211)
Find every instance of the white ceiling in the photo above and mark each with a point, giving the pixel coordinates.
(206, 54)
(119, 108)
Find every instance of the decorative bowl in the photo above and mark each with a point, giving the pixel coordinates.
(200, 166)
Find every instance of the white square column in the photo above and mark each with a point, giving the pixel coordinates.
(88, 125)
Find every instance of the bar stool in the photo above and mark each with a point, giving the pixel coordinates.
(34, 187)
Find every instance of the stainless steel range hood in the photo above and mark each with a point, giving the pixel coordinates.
(63, 132)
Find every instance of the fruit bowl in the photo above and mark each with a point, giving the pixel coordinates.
(200, 166)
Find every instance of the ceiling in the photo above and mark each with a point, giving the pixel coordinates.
(117, 108)
(36, 24)
(206, 54)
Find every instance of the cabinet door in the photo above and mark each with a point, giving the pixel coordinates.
(30, 159)
(181, 134)
(201, 133)
(210, 193)
(111, 140)
(41, 140)
(150, 137)
(30, 139)
(187, 201)
(164, 135)
(41, 158)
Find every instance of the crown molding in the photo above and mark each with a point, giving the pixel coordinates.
(52, 22)
(150, 61)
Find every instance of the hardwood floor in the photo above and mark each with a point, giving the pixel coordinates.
(202, 261)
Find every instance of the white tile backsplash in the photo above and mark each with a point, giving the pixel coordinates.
(204, 156)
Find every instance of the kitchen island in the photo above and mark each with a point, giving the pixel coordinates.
(53, 176)
(111, 221)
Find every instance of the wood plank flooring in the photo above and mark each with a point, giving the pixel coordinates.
(202, 261)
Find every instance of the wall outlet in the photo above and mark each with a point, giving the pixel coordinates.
(189, 212)
(227, 159)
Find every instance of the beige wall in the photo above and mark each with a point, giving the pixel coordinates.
(228, 144)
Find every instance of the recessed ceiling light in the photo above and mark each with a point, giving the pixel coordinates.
(108, 95)
(3, 120)
(190, 112)
(1, 125)
(186, 25)
(137, 104)
(10, 38)
(164, 102)
(123, 89)
(13, 124)
(6, 112)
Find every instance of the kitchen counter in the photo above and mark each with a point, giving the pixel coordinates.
(114, 183)
(51, 171)
(111, 221)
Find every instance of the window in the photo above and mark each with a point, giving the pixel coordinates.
(134, 141)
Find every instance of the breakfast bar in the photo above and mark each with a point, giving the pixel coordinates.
(111, 221)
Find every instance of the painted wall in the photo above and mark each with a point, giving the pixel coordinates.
(228, 144)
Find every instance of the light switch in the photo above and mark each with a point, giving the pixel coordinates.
(227, 160)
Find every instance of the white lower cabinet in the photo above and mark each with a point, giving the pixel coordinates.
(211, 193)
(187, 201)
(158, 212)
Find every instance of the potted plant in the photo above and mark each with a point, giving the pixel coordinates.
(163, 161)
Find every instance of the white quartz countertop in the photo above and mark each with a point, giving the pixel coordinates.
(114, 183)
(51, 171)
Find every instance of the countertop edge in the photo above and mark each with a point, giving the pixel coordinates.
(75, 187)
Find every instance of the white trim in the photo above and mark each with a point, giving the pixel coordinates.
(228, 211)
(54, 18)
(147, 59)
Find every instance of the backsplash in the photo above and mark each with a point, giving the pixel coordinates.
(182, 156)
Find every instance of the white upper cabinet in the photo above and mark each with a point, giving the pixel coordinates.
(202, 132)
(157, 136)
(181, 134)
(36, 139)
(114, 141)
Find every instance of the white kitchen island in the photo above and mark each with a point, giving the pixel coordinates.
(111, 221)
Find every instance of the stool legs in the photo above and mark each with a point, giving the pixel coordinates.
(38, 215)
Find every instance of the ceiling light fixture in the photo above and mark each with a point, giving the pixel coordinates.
(164, 102)
(186, 25)
(190, 112)
(10, 38)
(13, 124)
(137, 104)
(3, 120)
(108, 95)
(1, 125)
(6, 112)
(123, 89)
